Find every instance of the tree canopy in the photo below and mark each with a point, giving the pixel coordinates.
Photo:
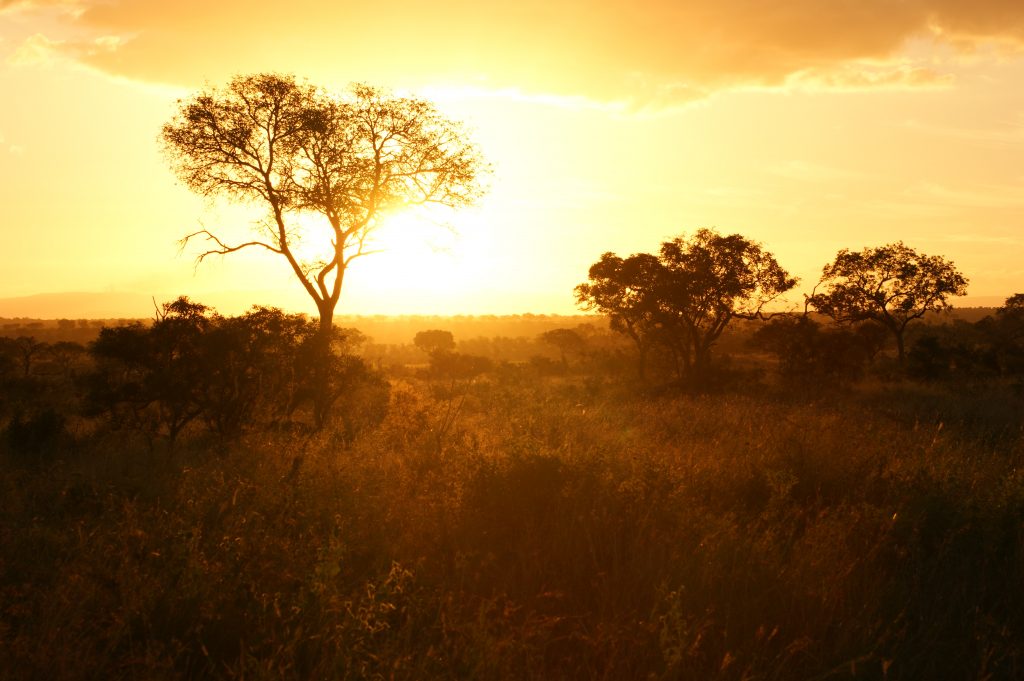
(293, 148)
(683, 299)
(892, 285)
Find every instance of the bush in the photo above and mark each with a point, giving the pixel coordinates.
(37, 438)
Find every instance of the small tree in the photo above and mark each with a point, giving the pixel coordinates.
(624, 289)
(892, 285)
(434, 341)
(566, 341)
(1011, 317)
(683, 299)
(24, 350)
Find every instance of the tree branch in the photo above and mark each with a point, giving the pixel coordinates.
(222, 248)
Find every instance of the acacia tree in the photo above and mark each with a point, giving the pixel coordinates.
(566, 341)
(712, 279)
(434, 341)
(683, 299)
(892, 285)
(294, 148)
(625, 290)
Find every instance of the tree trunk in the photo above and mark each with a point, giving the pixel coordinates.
(326, 311)
(322, 369)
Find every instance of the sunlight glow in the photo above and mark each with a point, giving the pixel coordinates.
(420, 257)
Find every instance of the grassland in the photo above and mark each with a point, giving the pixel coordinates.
(525, 527)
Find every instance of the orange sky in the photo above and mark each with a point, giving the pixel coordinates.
(808, 125)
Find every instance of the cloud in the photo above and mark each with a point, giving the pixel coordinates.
(645, 53)
(38, 50)
(858, 77)
(73, 7)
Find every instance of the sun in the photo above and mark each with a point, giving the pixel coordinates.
(423, 262)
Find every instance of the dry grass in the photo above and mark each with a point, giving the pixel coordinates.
(557, 529)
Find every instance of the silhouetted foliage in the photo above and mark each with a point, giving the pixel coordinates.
(1005, 334)
(892, 285)
(24, 351)
(458, 366)
(66, 355)
(150, 378)
(810, 353)
(624, 290)
(434, 340)
(36, 438)
(684, 299)
(232, 373)
(956, 350)
(566, 341)
(296, 149)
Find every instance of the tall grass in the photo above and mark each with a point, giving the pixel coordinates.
(555, 529)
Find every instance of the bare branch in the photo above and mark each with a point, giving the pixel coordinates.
(222, 248)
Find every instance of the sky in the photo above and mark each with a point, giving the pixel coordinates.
(809, 126)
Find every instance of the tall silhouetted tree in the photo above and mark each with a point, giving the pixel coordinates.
(296, 149)
(892, 285)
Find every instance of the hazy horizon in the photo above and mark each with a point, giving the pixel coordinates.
(126, 305)
(808, 128)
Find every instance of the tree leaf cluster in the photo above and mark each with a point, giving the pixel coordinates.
(892, 285)
(680, 301)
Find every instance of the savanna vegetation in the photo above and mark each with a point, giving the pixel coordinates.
(692, 485)
(812, 510)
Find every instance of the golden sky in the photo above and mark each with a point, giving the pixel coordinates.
(808, 125)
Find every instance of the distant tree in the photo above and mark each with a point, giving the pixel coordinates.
(566, 341)
(296, 149)
(626, 290)
(683, 299)
(892, 285)
(713, 279)
(23, 350)
(434, 341)
(1004, 333)
(66, 354)
(1011, 317)
(454, 366)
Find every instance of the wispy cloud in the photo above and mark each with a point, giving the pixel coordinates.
(871, 76)
(38, 50)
